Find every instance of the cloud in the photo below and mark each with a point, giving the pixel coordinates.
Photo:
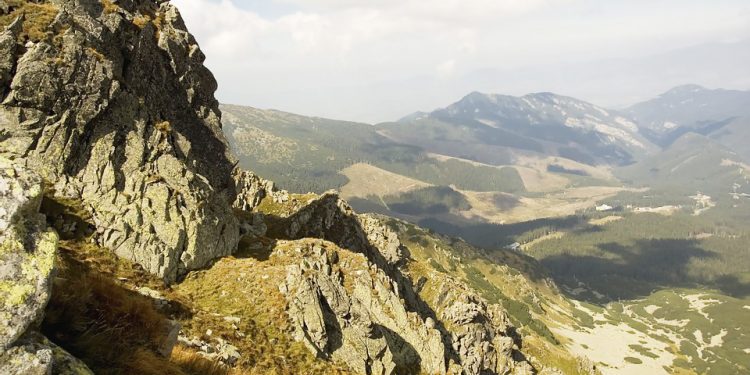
(323, 57)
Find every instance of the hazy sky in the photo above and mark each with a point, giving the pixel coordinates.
(376, 61)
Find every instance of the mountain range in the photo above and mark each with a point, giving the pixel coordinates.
(137, 238)
(639, 209)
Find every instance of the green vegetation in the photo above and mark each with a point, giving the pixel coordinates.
(630, 257)
(306, 154)
(633, 360)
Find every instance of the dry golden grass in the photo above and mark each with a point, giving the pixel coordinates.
(38, 16)
(366, 180)
(109, 6)
(98, 320)
(193, 362)
(141, 20)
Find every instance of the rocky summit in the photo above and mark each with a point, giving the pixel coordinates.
(109, 127)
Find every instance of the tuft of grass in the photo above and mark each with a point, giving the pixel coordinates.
(165, 127)
(109, 7)
(38, 16)
(194, 363)
(141, 20)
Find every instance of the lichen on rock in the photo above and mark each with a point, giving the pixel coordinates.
(27, 253)
(86, 107)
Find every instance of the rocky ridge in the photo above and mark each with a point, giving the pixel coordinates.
(460, 333)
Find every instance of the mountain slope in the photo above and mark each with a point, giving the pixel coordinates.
(311, 154)
(480, 125)
(692, 108)
(692, 163)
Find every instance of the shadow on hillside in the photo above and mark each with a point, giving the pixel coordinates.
(493, 236)
(627, 272)
(635, 271)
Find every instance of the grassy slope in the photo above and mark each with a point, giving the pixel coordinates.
(307, 153)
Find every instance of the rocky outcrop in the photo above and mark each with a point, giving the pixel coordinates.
(27, 253)
(329, 217)
(334, 303)
(27, 265)
(481, 333)
(347, 309)
(115, 108)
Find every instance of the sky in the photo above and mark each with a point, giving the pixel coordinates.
(378, 60)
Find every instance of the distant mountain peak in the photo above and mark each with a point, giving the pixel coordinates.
(685, 89)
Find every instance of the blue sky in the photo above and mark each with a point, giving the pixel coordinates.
(378, 60)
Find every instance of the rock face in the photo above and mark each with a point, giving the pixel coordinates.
(347, 309)
(329, 217)
(27, 253)
(116, 109)
(27, 264)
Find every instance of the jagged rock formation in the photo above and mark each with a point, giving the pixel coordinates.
(359, 318)
(458, 332)
(27, 265)
(114, 107)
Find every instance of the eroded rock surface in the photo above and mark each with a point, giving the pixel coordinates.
(335, 303)
(116, 109)
(27, 266)
(27, 253)
(347, 309)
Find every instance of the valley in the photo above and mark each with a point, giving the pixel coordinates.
(646, 237)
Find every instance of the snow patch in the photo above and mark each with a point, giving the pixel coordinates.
(698, 304)
(661, 210)
(703, 203)
(650, 309)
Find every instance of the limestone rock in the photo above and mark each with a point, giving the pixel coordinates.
(8, 45)
(27, 360)
(251, 190)
(27, 253)
(219, 350)
(457, 331)
(63, 363)
(173, 331)
(117, 110)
